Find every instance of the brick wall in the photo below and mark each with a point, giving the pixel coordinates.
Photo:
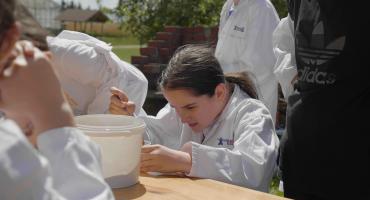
(154, 58)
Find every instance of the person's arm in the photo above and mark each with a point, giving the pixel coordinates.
(75, 164)
(135, 83)
(127, 78)
(70, 170)
(164, 128)
(252, 161)
(285, 68)
(158, 158)
(223, 15)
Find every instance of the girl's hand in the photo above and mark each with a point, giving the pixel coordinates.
(119, 103)
(32, 88)
(22, 49)
(158, 158)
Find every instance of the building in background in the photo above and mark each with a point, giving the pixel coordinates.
(30, 28)
(82, 20)
(45, 12)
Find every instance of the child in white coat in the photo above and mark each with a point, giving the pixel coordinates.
(88, 68)
(213, 127)
(66, 164)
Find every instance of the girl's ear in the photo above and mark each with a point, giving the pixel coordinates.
(9, 39)
(220, 91)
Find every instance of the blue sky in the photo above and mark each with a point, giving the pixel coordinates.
(93, 4)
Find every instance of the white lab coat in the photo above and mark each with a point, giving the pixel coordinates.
(88, 69)
(285, 68)
(240, 147)
(67, 166)
(245, 44)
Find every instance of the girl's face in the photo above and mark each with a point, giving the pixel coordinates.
(198, 112)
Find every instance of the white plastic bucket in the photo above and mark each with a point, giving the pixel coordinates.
(120, 139)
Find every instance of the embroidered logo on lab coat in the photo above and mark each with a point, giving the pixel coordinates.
(222, 141)
(238, 28)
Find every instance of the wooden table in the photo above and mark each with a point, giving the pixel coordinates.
(178, 188)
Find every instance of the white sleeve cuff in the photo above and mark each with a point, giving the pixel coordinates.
(194, 159)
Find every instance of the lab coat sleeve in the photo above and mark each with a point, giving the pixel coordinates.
(223, 15)
(129, 79)
(69, 169)
(283, 45)
(251, 162)
(136, 86)
(164, 128)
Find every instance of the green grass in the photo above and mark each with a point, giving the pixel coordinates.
(123, 40)
(126, 53)
(274, 187)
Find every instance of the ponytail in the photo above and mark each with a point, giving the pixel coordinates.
(244, 82)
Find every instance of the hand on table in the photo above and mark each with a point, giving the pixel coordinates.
(187, 147)
(158, 158)
(120, 104)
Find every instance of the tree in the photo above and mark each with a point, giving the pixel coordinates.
(146, 17)
(63, 5)
(281, 7)
(99, 4)
(71, 5)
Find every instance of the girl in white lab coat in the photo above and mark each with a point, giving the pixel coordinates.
(67, 164)
(213, 127)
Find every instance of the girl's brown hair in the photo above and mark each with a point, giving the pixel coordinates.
(195, 67)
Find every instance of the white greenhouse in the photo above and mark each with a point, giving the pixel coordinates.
(44, 11)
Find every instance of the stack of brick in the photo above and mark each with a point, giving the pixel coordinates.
(155, 56)
(200, 35)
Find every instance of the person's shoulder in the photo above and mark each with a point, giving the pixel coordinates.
(252, 103)
(257, 5)
(248, 105)
(252, 109)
